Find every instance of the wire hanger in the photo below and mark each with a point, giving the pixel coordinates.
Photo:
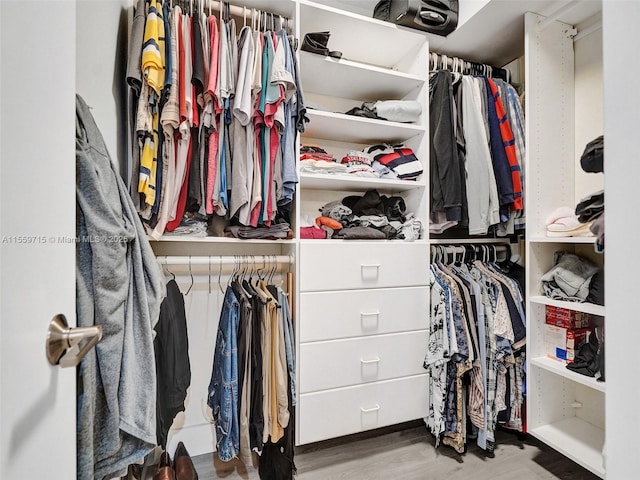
(191, 274)
(220, 275)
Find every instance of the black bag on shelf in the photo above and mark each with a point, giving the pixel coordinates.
(434, 16)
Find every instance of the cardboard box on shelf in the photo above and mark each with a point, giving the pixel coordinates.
(563, 343)
(563, 317)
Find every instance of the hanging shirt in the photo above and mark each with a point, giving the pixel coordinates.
(242, 166)
(287, 142)
(211, 109)
(153, 70)
(508, 144)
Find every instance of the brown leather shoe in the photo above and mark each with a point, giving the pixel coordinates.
(183, 464)
(164, 471)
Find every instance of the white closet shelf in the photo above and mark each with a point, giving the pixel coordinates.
(194, 239)
(359, 37)
(359, 81)
(575, 306)
(576, 240)
(348, 183)
(374, 242)
(582, 442)
(560, 368)
(339, 127)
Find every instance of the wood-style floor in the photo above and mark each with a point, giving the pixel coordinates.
(408, 454)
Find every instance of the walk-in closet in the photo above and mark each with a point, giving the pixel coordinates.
(307, 239)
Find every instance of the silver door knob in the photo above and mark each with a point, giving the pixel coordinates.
(64, 344)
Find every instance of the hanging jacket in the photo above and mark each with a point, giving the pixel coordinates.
(446, 184)
(119, 285)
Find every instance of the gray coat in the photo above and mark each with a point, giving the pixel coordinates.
(119, 286)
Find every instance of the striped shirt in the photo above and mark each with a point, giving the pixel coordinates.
(509, 145)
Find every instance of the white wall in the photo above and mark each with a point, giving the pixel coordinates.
(102, 31)
(622, 174)
(589, 107)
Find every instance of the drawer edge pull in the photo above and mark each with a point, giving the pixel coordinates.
(373, 360)
(370, 314)
(369, 410)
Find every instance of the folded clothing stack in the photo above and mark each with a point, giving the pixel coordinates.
(403, 111)
(591, 208)
(570, 278)
(563, 222)
(370, 216)
(398, 158)
(360, 164)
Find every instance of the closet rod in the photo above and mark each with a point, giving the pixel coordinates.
(556, 14)
(588, 30)
(454, 249)
(236, 10)
(215, 260)
(441, 61)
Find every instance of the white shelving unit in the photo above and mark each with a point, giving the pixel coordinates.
(381, 380)
(564, 409)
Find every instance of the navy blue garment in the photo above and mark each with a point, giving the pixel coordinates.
(501, 167)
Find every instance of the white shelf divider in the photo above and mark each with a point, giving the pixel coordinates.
(560, 368)
(237, 241)
(353, 129)
(580, 441)
(575, 306)
(349, 182)
(581, 240)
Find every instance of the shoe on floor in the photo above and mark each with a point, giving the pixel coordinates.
(183, 464)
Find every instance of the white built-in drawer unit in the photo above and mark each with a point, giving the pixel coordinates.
(355, 313)
(340, 363)
(333, 413)
(355, 264)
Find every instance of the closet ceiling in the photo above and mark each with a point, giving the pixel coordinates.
(494, 34)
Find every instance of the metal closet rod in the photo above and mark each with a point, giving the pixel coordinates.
(236, 10)
(216, 260)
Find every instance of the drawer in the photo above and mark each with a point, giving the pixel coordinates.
(354, 265)
(356, 313)
(334, 413)
(340, 363)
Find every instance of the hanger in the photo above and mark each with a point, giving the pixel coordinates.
(220, 276)
(166, 265)
(191, 274)
(275, 268)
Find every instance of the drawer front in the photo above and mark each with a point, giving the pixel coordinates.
(334, 413)
(341, 266)
(356, 313)
(340, 363)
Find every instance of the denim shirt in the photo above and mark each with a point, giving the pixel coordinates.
(289, 343)
(223, 388)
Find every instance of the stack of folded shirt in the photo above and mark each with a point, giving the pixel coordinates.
(274, 232)
(563, 222)
(398, 158)
(569, 279)
(314, 152)
(359, 164)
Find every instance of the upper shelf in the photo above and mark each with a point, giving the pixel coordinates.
(339, 127)
(358, 81)
(347, 183)
(483, 23)
(360, 38)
